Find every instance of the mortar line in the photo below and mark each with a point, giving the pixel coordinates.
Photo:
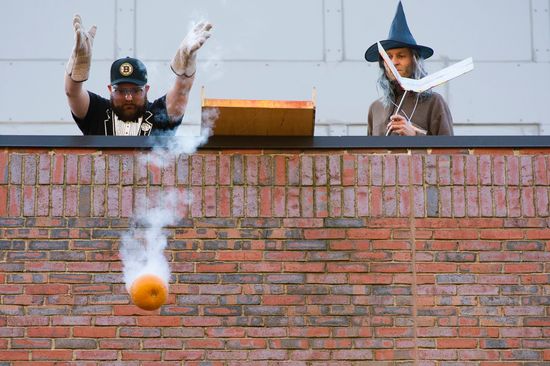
(412, 229)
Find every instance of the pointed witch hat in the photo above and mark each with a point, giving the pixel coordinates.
(400, 36)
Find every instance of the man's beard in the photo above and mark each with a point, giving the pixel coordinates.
(128, 112)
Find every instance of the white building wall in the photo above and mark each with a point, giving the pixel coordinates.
(283, 49)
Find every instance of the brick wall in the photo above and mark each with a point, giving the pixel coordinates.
(423, 257)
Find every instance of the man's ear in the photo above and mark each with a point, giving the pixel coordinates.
(147, 87)
(110, 87)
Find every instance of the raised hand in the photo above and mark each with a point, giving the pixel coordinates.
(78, 66)
(184, 61)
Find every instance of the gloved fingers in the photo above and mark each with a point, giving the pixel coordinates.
(77, 21)
(92, 32)
(199, 42)
(78, 37)
(202, 27)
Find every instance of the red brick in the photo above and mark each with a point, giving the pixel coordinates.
(293, 166)
(540, 171)
(99, 169)
(307, 202)
(471, 170)
(457, 170)
(265, 174)
(499, 197)
(112, 201)
(458, 202)
(238, 202)
(514, 203)
(499, 170)
(349, 202)
(95, 355)
(16, 168)
(523, 267)
(54, 355)
(485, 170)
(445, 202)
(352, 355)
(472, 203)
(457, 343)
(293, 202)
(324, 233)
(128, 355)
(29, 167)
(335, 202)
(321, 202)
(527, 202)
(444, 169)
(389, 170)
(390, 201)
(417, 170)
(14, 203)
(526, 171)
(436, 267)
(419, 202)
(376, 170)
(265, 202)
(363, 170)
(486, 202)
(376, 201)
(182, 169)
(210, 201)
(127, 169)
(541, 201)
(321, 170)
(168, 171)
(48, 332)
(335, 169)
(44, 166)
(280, 170)
(306, 170)
(403, 169)
(278, 201)
(210, 170)
(348, 170)
(28, 201)
(36, 343)
(512, 165)
(430, 166)
(362, 199)
(4, 164)
(197, 166)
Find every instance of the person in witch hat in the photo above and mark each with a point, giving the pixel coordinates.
(420, 114)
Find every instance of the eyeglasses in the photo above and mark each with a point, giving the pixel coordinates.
(134, 92)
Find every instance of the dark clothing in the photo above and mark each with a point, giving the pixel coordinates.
(99, 119)
(431, 114)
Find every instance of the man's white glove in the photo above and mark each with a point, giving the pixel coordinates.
(78, 67)
(184, 62)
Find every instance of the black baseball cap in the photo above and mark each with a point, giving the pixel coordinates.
(128, 70)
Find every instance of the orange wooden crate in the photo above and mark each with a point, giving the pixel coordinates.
(241, 117)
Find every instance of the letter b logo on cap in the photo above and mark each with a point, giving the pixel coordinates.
(126, 69)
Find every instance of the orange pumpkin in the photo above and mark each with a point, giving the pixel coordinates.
(148, 292)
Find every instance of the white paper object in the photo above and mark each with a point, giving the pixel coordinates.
(429, 81)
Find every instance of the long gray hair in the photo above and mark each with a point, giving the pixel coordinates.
(387, 88)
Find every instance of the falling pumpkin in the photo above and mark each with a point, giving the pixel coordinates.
(148, 292)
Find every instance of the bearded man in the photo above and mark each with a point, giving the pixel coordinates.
(128, 112)
(420, 114)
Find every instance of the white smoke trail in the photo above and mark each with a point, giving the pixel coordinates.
(174, 146)
(142, 248)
